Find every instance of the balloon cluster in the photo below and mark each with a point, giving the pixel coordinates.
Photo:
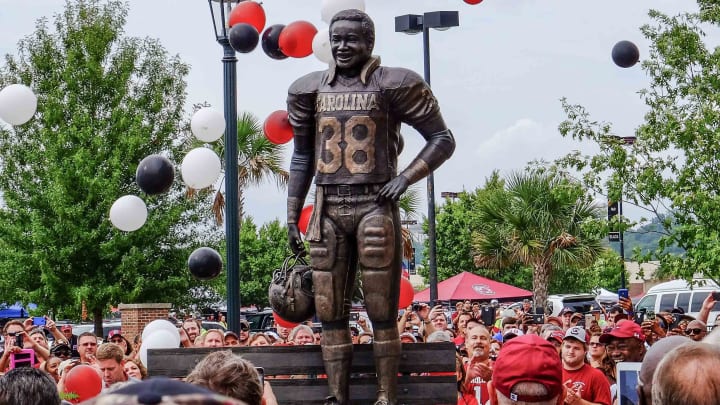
(158, 334)
(155, 174)
(297, 39)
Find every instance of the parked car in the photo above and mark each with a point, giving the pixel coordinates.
(582, 303)
(260, 321)
(79, 329)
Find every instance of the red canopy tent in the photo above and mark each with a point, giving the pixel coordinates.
(473, 287)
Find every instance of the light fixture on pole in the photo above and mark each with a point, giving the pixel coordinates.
(414, 24)
(615, 209)
(219, 11)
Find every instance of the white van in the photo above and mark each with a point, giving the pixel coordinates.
(678, 294)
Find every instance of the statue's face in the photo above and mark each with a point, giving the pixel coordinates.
(349, 46)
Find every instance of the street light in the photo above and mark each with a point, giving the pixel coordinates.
(414, 24)
(615, 208)
(219, 11)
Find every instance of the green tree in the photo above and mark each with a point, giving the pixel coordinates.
(539, 220)
(673, 165)
(105, 101)
(261, 251)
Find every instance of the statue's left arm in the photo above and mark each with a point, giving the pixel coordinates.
(414, 103)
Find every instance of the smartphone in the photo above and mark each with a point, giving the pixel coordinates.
(716, 295)
(538, 319)
(18, 340)
(261, 375)
(623, 292)
(589, 318)
(639, 317)
(650, 314)
(675, 321)
(354, 316)
(39, 321)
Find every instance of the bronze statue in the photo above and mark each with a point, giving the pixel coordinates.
(346, 122)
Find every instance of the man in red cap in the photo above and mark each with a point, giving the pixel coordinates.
(584, 384)
(625, 343)
(528, 370)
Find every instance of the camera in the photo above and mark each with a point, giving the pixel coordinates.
(416, 307)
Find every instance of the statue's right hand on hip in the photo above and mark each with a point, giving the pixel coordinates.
(296, 243)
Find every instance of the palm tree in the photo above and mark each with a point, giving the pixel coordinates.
(409, 203)
(258, 160)
(536, 220)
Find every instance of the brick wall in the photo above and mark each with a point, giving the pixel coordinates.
(136, 316)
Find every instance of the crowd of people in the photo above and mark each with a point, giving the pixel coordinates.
(514, 358)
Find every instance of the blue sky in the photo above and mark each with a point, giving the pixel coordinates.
(498, 77)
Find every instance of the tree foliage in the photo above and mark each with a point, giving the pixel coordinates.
(538, 220)
(261, 251)
(457, 221)
(673, 165)
(105, 101)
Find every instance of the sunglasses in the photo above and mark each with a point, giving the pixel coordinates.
(596, 344)
(693, 331)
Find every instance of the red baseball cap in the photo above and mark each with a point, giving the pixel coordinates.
(528, 358)
(114, 332)
(626, 329)
(557, 335)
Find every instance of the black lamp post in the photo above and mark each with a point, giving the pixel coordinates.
(219, 11)
(413, 24)
(615, 208)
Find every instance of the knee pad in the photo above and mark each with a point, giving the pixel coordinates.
(324, 253)
(376, 241)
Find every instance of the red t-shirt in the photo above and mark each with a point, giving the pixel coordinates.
(475, 392)
(591, 382)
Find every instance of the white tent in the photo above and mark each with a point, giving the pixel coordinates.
(605, 296)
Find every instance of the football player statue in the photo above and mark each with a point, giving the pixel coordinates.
(346, 123)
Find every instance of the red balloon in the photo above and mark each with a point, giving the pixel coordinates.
(296, 39)
(473, 1)
(282, 322)
(248, 12)
(82, 383)
(407, 293)
(304, 220)
(277, 128)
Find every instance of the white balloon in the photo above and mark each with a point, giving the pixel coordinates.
(321, 46)
(200, 168)
(162, 339)
(207, 124)
(18, 104)
(143, 354)
(159, 324)
(128, 213)
(329, 8)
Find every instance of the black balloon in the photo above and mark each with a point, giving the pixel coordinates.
(270, 42)
(155, 174)
(625, 54)
(205, 263)
(243, 37)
